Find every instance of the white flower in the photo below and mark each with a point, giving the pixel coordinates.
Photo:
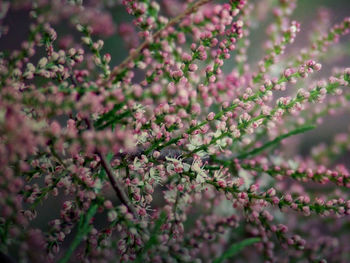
(176, 163)
(170, 195)
(137, 163)
(217, 133)
(195, 142)
(293, 164)
(97, 185)
(218, 175)
(201, 174)
(112, 215)
(221, 143)
(153, 174)
(142, 138)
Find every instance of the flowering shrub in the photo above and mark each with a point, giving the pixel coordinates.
(167, 156)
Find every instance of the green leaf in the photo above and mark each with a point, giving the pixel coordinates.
(275, 141)
(84, 228)
(236, 248)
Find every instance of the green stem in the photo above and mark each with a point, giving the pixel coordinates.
(83, 229)
(275, 141)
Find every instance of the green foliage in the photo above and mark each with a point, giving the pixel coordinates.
(84, 228)
(153, 240)
(276, 141)
(236, 248)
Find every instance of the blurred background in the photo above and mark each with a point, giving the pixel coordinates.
(16, 24)
(14, 28)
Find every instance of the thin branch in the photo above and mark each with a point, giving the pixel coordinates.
(56, 155)
(145, 44)
(116, 185)
(113, 179)
(106, 166)
(275, 141)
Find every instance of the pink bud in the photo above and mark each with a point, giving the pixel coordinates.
(288, 72)
(211, 116)
(271, 192)
(55, 128)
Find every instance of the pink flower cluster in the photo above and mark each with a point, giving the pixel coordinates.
(169, 156)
